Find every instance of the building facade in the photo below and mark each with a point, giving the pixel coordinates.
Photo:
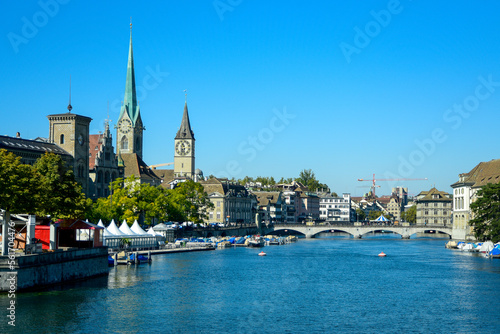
(465, 193)
(103, 164)
(270, 206)
(434, 207)
(71, 133)
(335, 209)
(233, 204)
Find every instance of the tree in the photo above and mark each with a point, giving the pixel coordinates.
(60, 195)
(486, 213)
(410, 215)
(19, 188)
(307, 178)
(361, 214)
(190, 201)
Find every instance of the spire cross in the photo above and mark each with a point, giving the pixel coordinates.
(185, 95)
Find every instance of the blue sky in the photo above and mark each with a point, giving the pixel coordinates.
(399, 89)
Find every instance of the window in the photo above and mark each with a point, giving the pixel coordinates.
(435, 212)
(426, 204)
(124, 143)
(61, 139)
(426, 212)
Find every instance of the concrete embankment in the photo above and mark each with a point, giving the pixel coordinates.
(38, 270)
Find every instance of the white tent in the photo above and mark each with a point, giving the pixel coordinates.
(126, 230)
(152, 232)
(106, 232)
(137, 229)
(114, 229)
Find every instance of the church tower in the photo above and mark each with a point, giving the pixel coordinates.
(71, 132)
(129, 133)
(184, 148)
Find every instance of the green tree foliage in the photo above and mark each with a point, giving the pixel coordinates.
(131, 200)
(47, 188)
(307, 178)
(285, 181)
(19, 189)
(361, 214)
(410, 215)
(486, 213)
(190, 201)
(60, 195)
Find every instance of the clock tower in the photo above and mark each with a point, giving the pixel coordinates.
(129, 127)
(184, 148)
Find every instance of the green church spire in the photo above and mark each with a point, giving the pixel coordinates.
(130, 100)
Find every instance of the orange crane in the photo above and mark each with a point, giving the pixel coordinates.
(374, 180)
(159, 165)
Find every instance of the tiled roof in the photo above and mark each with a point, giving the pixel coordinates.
(167, 176)
(482, 174)
(429, 196)
(135, 166)
(265, 197)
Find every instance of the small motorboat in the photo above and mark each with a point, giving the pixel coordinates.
(382, 254)
(262, 254)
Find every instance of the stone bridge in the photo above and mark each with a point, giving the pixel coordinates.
(358, 230)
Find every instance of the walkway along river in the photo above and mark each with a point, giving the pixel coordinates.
(312, 286)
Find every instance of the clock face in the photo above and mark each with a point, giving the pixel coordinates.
(80, 139)
(125, 126)
(183, 147)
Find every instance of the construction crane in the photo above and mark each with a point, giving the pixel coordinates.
(159, 165)
(374, 180)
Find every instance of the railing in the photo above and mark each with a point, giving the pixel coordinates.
(366, 224)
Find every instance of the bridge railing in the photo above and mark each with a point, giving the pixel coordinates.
(363, 225)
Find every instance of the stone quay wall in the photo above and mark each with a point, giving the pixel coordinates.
(38, 270)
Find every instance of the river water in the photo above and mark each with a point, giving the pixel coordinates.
(312, 286)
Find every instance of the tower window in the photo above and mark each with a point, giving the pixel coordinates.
(61, 139)
(124, 143)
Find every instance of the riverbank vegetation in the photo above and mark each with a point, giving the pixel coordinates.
(48, 188)
(486, 213)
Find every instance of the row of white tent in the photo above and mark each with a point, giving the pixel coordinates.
(138, 238)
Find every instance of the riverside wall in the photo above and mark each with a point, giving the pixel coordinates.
(38, 270)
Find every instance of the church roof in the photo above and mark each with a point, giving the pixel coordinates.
(167, 175)
(185, 131)
(134, 165)
(130, 99)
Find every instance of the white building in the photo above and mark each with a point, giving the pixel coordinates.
(334, 209)
(464, 193)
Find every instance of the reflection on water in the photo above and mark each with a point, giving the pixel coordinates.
(323, 285)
